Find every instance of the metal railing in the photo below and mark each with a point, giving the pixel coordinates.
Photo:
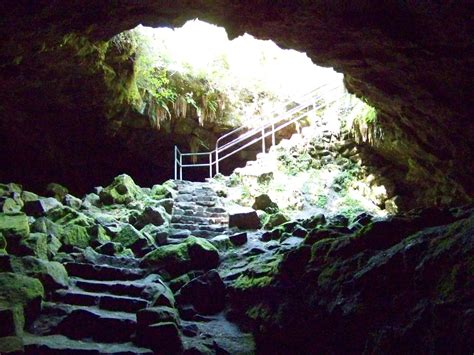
(307, 104)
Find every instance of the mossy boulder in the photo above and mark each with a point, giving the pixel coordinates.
(65, 215)
(10, 205)
(14, 225)
(264, 203)
(11, 345)
(152, 215)
(35, 244)
(275, 220)
(192, 254)
(18, 290)
(161, 191)
(3, 244)
(40, 206)
(14, 228)
(75, 236)
(52, 274)
(132, 238)
(123, 190)
(57, 191)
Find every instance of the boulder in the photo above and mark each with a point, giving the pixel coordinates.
(66, 215)
(162, 338)
(14, 225)
(74, 236)
(27, 196)
(132, 238)
(264, 203)
(110, 248)
(238, 239)
(158, 234)
(314, 221)
(11, 345)
(153, 315)
(275, 220)
(98, 235)
(3, 244)
(152, 215)
(35, 244)
(244, 218)
(191, 254)
(21, 290)
(123, 190)
(40, 206)
(52, 274)
(57, 191)
(73, 202)
(206, 293)
(167, 204)
(10, 205)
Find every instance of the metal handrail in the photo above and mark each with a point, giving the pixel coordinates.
(309, 100)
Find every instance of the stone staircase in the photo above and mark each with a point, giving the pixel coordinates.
(97, 313)
(197, 210)
(114, 306)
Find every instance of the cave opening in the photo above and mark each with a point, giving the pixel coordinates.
(353, 233)
(198, 87)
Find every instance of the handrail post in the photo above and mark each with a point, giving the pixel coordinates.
(175, 163)
(273, 134)
(263, 139)
(180, 167)
(210, 164)
(217, 159)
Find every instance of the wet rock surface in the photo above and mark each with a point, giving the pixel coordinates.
(311, 285)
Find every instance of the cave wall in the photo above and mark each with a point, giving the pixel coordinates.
(411, 60)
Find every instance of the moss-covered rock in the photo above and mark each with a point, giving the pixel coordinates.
(264, 202)
(11, 345)
(23, 291)
(275, 220)
(192, 254)
(66, 215)
(57, 191)
(123, 190)
(52, 274)
(75, 236)
(132, 238)
(3, 244)
(35, 244)
(14, 225)
(10, 205)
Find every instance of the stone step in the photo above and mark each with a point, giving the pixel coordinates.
(189, 206)
(101, 300)
(206, 214)
(194, 227)
(206, 234)
(53, 314)
(119, 288)
(114, 261)
(190, 219)
(103, 272)
(61, 345)
(89, 324)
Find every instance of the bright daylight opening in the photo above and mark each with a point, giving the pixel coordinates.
(195, 82)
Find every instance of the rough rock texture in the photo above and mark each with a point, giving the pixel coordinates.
(398, 286)
(411, 60)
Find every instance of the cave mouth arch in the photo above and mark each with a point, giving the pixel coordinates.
(407, 59)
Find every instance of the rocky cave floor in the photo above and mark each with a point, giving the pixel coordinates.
(170, 270)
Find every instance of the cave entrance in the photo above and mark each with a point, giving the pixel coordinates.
(195, 85)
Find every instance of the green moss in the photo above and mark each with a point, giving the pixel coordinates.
(14, 225)
(3, 243)
(245, 282)
(327, 274)
(19, 289)
(447, 284)
(192, 253)
(123, 190)
(259, 311)
(321, 248)
(11, 345)
(75, 235)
